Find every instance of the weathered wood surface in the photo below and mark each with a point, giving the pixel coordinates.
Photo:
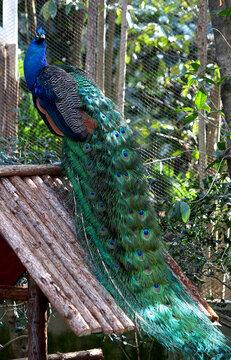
(94, 354)
(37, 322)
(19, 293)
(40, 215)
(27, 251)
(29, 170)
(55, 253)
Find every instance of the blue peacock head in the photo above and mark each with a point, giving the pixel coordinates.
(40, 34)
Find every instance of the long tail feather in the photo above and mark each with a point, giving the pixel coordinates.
(117, 224)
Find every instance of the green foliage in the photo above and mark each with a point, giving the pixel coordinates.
(205, 229)
(50, 8)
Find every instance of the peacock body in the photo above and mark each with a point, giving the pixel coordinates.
(114, 209)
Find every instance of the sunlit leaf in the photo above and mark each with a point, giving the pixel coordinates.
(200, 98)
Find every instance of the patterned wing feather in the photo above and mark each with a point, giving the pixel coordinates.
(56, 92)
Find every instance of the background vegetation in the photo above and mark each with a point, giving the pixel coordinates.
(172, 87)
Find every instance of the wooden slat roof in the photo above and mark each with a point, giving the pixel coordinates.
(36, 222)
(39, 229)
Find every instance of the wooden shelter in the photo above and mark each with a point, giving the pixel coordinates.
(37, 234)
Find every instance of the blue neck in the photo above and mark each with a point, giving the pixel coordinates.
(35, 60)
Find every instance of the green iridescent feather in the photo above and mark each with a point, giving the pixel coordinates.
(117, 225)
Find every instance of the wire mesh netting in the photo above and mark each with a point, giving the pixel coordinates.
(162, 42)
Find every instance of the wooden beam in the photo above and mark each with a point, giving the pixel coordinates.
(94, 354)
(37, 322)
(29, 170)
(18, 293)
(192, 290)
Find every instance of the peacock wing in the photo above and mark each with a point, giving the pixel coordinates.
(56, 97)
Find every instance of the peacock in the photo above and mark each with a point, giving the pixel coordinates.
(114, 208)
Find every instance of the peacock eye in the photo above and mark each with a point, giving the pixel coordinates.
(146, 232)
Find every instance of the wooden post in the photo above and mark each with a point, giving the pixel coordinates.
(37, 322)
(9, 92)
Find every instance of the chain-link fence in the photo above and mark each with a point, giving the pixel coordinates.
(160, 41)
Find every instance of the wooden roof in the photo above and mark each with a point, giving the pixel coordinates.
(40, 231)
(38, 226)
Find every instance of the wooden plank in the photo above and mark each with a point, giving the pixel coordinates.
(29, 170)
(93, 354)
(37, 322)
(19, 293)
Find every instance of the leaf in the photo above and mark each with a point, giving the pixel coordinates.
(221, 145)
(206, 108)
(176, 111)
(195, 127)
(190, 118)
(191, 81)
(205, 78)
(200, 98)
(195, 65)
(185, 211)
(221, 80)
(52, 9)
(68, 8)
(211, 164)
(170, 213)
(225, 12)
(187, 109)
(45, 11)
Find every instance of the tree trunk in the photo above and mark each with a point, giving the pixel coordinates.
(91, 39)
(222, 35)
(27, 23)
(110, 49)
(122, 58)
(202, 56)
(78, 29)
(32, 17)
(101, 31)
(213, 129)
